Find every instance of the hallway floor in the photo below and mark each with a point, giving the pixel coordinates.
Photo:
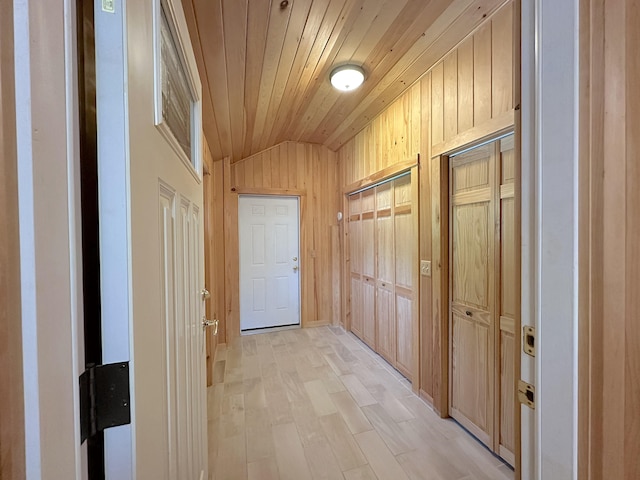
(318, 404)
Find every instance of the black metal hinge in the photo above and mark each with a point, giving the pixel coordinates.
(104, 398)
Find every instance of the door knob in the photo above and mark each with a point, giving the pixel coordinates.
(204, 293)
(295, 259)
(295, 268)
(210, 323)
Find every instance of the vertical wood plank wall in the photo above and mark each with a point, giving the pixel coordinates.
(213, 252)
(291, 168)
(12, 461)
(465, 97)
(609, 336)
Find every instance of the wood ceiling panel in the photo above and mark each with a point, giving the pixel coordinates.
(265, 64)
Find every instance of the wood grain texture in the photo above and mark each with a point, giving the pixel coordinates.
(609, 430)
(380, 430)
(12, 460)
(265, 68)
(315, 181)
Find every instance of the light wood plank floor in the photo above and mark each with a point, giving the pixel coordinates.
(318, 404)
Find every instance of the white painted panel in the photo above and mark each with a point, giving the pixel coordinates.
(282, 293)
(282, 244)
(259, 294)
(269, 261)
(257, 210)
(258, 244)
(165, 439)
(168, 323)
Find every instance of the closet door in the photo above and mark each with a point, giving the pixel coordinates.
(405, 244)
(355, 265)
(368, 243)
(505, 407)
(385, 282)
(472, 184)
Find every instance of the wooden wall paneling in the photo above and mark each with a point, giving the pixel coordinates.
(414, 20)
(313, 89)
(337, 17)
(310, 172)
(312, 30)
(416, 125)
(502, 61)
(218, 273)
(460, 19)
(292, 40)
(215, 61)
(234, 17)
(12, 453)
(465, 85)
(278, 20)
(257, 27)
(609, 440)
(437, 104)
(419, 115)
(209, 124)
(231, 256)
(425, 348)
(482, 89)
(450, 99)
(209, 258)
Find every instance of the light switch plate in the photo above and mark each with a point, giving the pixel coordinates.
(425, 268)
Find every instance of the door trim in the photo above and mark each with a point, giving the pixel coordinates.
(231, 253)
(441, 276)
(300, 262)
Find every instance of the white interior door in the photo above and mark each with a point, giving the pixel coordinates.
(269, 261)
(151, 241)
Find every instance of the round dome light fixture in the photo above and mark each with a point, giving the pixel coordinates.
(347, 77)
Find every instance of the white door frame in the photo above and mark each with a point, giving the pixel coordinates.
(550, 100)
(50, 242)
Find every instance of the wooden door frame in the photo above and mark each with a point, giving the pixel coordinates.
(441, 275)
(232, 250)
(12, 448)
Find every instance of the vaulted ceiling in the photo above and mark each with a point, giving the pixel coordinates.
(265, 64)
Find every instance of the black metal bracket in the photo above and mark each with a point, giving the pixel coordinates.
(104, 398)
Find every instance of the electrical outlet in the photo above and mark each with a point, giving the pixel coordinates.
(425, 268)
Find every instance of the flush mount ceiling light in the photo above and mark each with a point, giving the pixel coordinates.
(347, 77)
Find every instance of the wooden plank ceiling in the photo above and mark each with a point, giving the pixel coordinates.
(265, 64)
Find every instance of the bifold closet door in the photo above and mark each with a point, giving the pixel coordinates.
(368, 243)
(507, 305)
(385, 257)
(405, 262)
(355, 265)
(472, 184)
(483, 312)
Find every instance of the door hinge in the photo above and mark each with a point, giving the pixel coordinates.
(529, 340)
(527, 394)
(104, 398)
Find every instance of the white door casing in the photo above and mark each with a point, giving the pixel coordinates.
(151, 241)
(269, 261)
(48, 171)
